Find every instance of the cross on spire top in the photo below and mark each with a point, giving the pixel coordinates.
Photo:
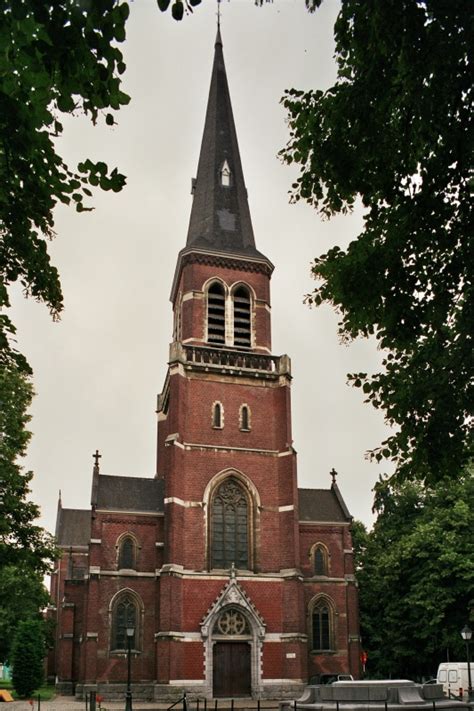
(96, 456)
(218, 14)
(333, 473)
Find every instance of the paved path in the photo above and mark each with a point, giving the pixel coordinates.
(66, 703)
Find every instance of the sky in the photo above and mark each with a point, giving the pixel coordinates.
(98, 370)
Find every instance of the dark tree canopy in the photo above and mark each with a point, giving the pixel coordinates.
(395, 132)
(415, 573)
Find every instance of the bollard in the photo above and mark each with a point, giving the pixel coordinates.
(258, 704)
(197, 705)
(205, 704)
(232, 705)
(39, 702)
(215, 705)
(92, 701)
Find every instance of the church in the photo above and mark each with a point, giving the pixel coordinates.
(223, 577)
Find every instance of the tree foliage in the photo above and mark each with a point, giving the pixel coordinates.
(22, 543)
(57, 58)
(28, 651)
(395, 132)
(416, 576)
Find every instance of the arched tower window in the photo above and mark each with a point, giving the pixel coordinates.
(217, 415)
(216, 314)
(124, 614)
(322, 625)
(230, 526)
(127, 553)
(245, 418)
(320, 560)
(242, 317)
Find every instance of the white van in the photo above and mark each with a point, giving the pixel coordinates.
(454, 678)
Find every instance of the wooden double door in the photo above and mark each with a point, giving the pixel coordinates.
(231, 669)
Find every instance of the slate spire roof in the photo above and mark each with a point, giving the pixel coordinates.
(220, 216)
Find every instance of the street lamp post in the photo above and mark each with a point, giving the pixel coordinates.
(128, 694)
(466, 634)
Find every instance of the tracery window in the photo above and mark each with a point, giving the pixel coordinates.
(216, 314)
(230, 526)
(242, 317)
(124, 614)
(230, 622)
(127, 553)
(322, 625)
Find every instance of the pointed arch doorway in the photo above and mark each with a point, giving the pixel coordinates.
(231, 666)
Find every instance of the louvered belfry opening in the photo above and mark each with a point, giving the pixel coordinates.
(242, 318)
(216, 314)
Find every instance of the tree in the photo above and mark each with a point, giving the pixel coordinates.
(416, 576)
(395, 132)
(28, 653)
(57, 57)
(22, 597)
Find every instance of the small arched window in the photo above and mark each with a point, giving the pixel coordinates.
(322, 626)
(216, 314)
(225, 175)
(229, 526)
(245, 418)
(320, 560)
(127, 553)
(124, 615)
(242, 317)
(217, 416)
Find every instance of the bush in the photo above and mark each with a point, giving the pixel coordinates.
(28, 651)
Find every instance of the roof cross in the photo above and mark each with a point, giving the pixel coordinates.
(218, 14)
(333, 473)
(97, 456)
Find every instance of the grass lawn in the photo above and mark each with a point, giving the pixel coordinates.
(45, 692)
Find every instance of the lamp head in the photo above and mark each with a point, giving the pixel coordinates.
(130, 632)
(466, 633)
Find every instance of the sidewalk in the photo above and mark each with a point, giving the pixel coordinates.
(66, 703)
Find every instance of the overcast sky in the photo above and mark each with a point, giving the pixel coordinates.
(97, 372)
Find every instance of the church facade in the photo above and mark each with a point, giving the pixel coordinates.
(230, 580)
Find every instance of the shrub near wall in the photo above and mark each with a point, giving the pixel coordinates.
(28, 653)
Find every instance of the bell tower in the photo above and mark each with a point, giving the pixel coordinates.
(224, 424)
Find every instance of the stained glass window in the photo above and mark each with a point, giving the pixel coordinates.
(321, 626)
(230, 526)
(127, 553)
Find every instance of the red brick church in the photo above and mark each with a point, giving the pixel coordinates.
(233, 581)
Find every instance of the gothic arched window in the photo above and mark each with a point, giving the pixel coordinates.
(320, 560)
(124, 614)
(322, 624)
(242, 317)
(230, 526)
(127, 553)
(216, 314)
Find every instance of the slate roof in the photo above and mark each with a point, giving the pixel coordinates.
(220, 216)
(128, 493)
(73, 527)
(322, 505)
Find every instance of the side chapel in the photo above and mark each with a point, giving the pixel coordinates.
(233, 581)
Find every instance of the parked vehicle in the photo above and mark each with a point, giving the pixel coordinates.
(454, 678)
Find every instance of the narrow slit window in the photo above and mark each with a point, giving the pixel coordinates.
(127, 553)
(216, 314)
(321, 627)
(244, 418)
(320, 561)
(217, 416)
(242, 318)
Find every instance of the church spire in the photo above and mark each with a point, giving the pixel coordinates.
(220, 216)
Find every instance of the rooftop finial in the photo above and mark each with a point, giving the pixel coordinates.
(333, 473)
(96, 456)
